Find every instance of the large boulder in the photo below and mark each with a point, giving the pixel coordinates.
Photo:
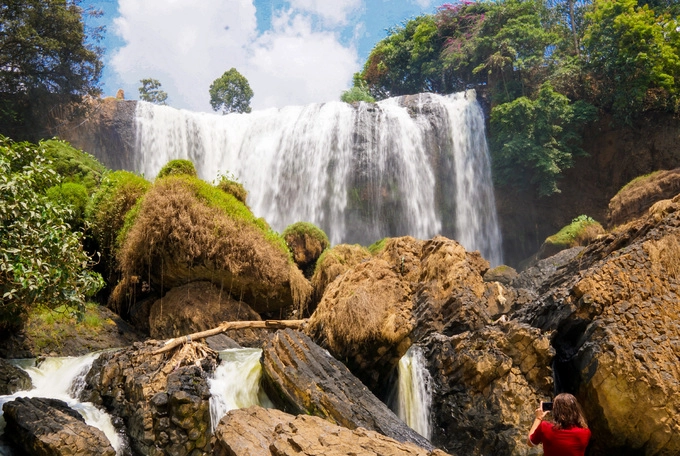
(487, 384)
(198, 306)
(50, 427)
(334, 262)
(616, 310)
(13, 379)
(186, 230)
(306, 242)
(302, 378)
(257, 431)
(162, 398)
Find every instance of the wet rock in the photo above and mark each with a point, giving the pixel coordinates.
(163, 399)
(488, 383)
(198, 306)
(616, 310)
(302, 378)
(261, 432)
(13, 379)
(50, 427)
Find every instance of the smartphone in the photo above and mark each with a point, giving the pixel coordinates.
(546, 406)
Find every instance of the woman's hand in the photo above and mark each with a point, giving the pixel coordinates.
(540, 414)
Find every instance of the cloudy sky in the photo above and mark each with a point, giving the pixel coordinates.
(292, 52)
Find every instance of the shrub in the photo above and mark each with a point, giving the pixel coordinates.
(227, 183)
(72, 196)
(355, 95)
(41, 259)
(177, 168)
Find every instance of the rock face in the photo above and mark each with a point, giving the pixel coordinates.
(488, 383)
(616, 310)
(334, 262)
(163, 399)
(50, 427)
(634, 201)
(13, 379)
(259, 432)
(302, 378)
(198, 306)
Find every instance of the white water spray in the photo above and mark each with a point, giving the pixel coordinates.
(62, 378)
(413, 392)
(236, 383)
(414, 165)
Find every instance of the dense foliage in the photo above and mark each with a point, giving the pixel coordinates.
(541, 64)
(151, 91)
(45, 59)
(230, 93)
(42, 261)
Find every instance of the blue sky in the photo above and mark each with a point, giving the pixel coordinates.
(292, 52)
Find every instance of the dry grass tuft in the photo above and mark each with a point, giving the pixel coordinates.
(334, 262)
(665, 255)
(301, 290)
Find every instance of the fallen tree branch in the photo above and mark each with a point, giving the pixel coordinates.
(226, 326)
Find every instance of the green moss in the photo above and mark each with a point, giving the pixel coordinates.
(309, 229)
(230, 185)
(73, 164)
(49, 328)
(570, 235)
(108, 209)
(377, 246)
(177, 168)
(638, 180)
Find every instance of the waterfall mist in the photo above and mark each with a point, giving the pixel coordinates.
(415, 165)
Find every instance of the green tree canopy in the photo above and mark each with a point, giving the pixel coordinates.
(44, 58)
(231, 93)
(151, 91)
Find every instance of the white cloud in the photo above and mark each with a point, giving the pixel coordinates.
(188, 44)
(423, 3)
(333, 12)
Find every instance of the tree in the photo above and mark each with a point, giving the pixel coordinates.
(42, 261)
(231, 93)
(44, 58)
(151, 91)
(533, 141)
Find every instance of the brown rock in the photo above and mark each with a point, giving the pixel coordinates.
(256, 431)
(13, 379)
(49, 427)
(163, 399)
(635, 199)
(198, 306)
(488, 383)
(335, 262)
(302, 378)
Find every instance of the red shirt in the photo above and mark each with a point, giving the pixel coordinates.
(561, 442)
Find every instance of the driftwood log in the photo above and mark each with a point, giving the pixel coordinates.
(228, 325)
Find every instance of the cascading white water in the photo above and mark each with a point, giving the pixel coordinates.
(62, 378)
(413, 396)
(415, 165)
(236, 383)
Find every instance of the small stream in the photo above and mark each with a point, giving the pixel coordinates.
(412, 399)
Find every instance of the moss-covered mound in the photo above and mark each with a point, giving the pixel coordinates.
(106, 212)
(233, 187)
(581, 231)
(185, 230)
(74, 196)
(638, 195)
(306, 242)
(73, 164)
(177, 168)
(334, 262)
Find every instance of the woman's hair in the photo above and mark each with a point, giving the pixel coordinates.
(567, 412)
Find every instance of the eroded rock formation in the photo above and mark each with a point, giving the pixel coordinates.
(49, 427)
(163, 399)
(13, 379)
(261, 432)
(302, 378)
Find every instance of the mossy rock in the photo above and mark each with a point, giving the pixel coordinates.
(185, 230)
(177, 167)
(378, 246)
(637, 196)
(306, 243)
(580, 232)
(234, 188)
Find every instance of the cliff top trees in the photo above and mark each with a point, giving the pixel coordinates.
(231, 93)
(44, 58)
(151, 91)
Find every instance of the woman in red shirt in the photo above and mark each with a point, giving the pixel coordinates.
(568, 435)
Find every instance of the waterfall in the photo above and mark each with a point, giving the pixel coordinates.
(63, 378)
(413, 396)
(236, 383)
(415, 165)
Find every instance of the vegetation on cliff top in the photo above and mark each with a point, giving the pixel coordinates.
(543, 65)
(581, 231)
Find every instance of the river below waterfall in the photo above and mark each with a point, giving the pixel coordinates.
(415, 165)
